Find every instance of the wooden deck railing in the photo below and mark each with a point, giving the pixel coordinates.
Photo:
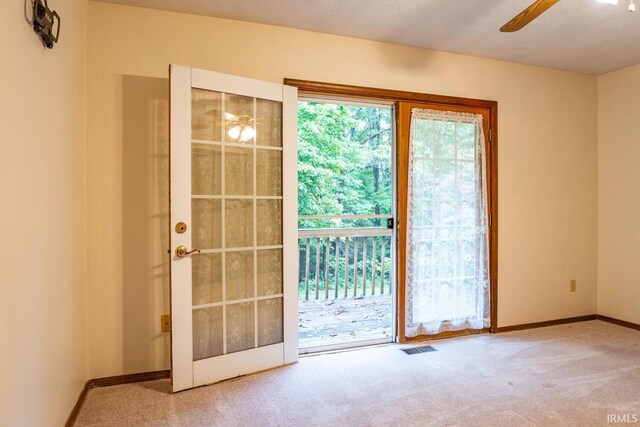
(344, 263)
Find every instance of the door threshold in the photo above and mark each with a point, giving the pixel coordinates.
(338, 348)
(445, 335)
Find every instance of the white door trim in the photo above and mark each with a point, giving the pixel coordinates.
(220, 82)
(179, 196)
(232, 365)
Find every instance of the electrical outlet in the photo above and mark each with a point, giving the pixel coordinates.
(574, 285)
(165, 323)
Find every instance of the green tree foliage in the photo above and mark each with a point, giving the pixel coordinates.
(344, 167)
(344, 163)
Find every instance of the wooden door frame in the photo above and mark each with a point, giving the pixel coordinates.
(404, 125)
(486, 107)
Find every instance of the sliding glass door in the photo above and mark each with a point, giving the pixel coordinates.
(445, 233)
(444, 250)
(346, 214)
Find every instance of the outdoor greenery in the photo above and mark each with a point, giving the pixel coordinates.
(344, 168)
(344, 163)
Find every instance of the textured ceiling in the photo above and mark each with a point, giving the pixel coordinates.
(575, 35)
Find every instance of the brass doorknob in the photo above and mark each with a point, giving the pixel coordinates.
(182, 251)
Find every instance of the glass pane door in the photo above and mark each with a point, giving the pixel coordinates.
(444, 270)
(236, 218)
(346, 281)
(233, 205)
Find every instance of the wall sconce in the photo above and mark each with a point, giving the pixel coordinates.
(43, 21)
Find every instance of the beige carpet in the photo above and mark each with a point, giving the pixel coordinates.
(573, 374)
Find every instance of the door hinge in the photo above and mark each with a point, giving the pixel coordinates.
(490, 135)
(489, 220)
(165, 323)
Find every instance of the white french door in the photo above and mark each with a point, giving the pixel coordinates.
(233, 226)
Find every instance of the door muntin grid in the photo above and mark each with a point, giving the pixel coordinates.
(236, 181)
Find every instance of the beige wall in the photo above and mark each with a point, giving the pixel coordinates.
(548, 164)
(43, 362)
(619, 194)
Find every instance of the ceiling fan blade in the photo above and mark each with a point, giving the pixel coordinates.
(528, 15)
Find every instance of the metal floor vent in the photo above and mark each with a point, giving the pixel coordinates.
(418, 350)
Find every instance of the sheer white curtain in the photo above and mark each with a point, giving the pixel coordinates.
(447, 285)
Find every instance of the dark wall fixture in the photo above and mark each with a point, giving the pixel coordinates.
(44, 21)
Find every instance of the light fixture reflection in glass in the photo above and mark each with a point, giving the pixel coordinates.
(243, 133)
(234, 132)
(247, 134)
(230, 117)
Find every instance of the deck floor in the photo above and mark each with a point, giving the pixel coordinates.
(344, 321)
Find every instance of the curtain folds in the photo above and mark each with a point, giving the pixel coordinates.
(447, 281)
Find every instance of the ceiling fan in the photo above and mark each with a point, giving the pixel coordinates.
(538, 8)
